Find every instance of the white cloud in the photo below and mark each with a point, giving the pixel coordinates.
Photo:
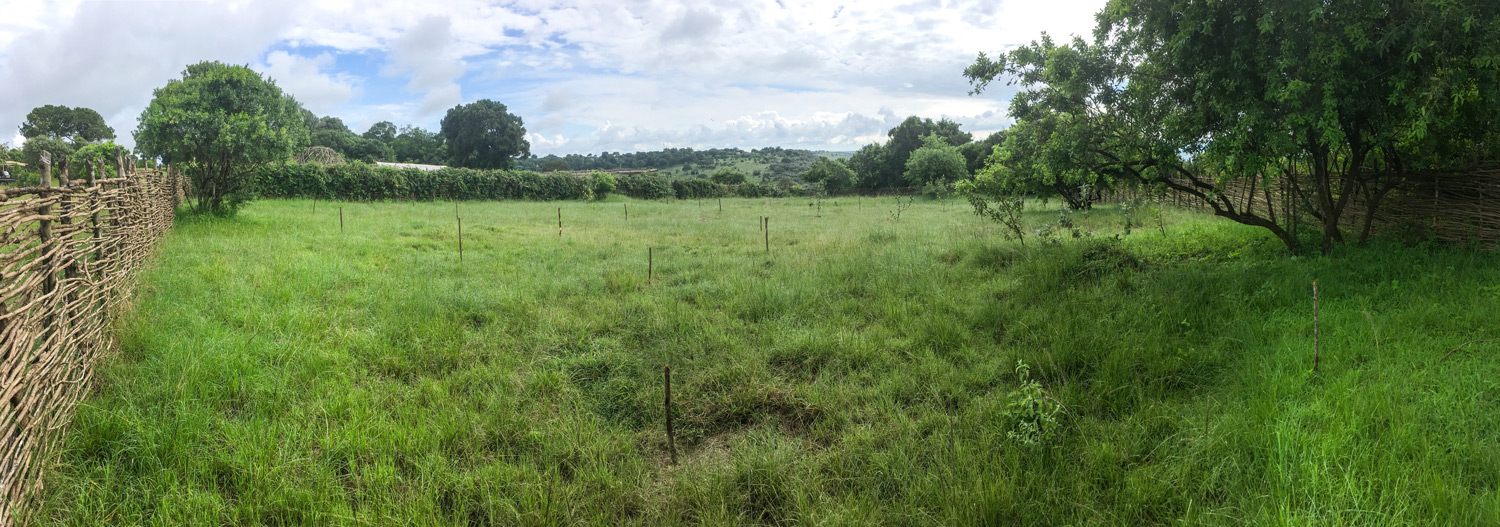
(109, 56)
(303, 78)
(662, 72)
(424, 55)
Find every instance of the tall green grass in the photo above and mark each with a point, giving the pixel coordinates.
(277, 371)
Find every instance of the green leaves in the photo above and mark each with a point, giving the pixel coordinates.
(1339, 98)
(221, 122)
(935, 162)
(834, 175)
(484, 135)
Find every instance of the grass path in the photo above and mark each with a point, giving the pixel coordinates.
(279, 372)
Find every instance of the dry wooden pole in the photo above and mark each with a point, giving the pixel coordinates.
(44, 227)
(559, 222)
(460, 239)
(666, 375)
(650, 264)
(341, 220)
(721, 204)
(1316, 347)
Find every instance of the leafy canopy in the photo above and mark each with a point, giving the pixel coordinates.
(484, 134)
(936, 162)
(728, 176)
(221, 122)
(415, 145)
(76, 125)
(384, 131)
(1329, 101)
(835, 175)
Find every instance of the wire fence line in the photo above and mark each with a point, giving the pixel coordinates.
(68, 255)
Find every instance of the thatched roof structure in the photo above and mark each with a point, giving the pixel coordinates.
(321, 155)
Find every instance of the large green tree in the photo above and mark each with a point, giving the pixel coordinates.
(31, 152)
(978, 152)
(834, 175)
(884, 166)
(384, 131)
(484, 134)
(220, 123)
(936, 162)
(416, 145)
(1328, 100)
(78, 126)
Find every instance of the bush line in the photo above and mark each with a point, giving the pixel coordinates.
(366, 182)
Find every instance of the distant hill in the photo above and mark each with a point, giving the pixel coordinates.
(769, 165)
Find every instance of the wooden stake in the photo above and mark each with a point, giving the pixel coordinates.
(666, 376)
(1316, 345)
(721, 204)
(650, 263)
(341, 220)
(460, 239)
(627, 211)
(559, 222)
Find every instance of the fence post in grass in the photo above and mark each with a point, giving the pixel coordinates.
(341, 220)
(559, 222)
(666, 375)
(650, 263)
(460, 239)
(1316, 347)
(721, 204)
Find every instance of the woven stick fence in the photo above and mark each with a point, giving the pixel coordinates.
(1451, 206)
(67, 255)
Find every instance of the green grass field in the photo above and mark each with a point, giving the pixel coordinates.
(278, 372)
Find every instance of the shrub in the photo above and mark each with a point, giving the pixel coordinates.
(698, 188)
(604, 183)
(1033, 412)
(645, 186)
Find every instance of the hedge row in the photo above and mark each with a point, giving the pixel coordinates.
(366, 182)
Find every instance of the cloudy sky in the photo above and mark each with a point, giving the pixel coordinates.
(585, 75)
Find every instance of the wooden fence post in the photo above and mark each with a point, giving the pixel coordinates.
(559, 222)
(341, 220)
(666, 374)
(1317, 349)
(460, 240)
(44, 227)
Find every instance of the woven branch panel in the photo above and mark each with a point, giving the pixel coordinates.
(67, 255)
(1450, 206)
